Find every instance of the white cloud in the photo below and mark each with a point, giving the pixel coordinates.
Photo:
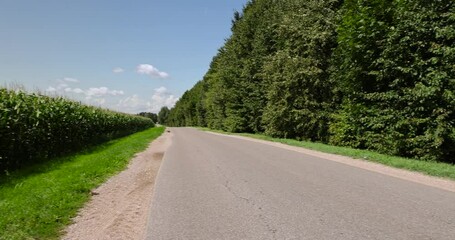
(67, 80)
(161, 90)
(78, 90)
(150, 70)
(100, 101)
(59, 88)
(74, 90)
(89, 93)
(62, 85)
(118, 70)
(160, 98)
(51, 89)
(98, 96)
(71, 80)
(101, 91)
(135, 104)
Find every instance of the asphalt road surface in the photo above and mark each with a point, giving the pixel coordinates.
(218, 187)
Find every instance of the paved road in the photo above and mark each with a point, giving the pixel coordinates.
(218, 187)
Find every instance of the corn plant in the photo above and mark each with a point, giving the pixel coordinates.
(35, 127)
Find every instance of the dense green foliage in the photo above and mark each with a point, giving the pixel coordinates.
(150, 115)
(37, 202)
(35, 127)
(369, 74)
(163, 115)
(300, 96)
(398, 77)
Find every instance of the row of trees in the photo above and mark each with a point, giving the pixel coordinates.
(160, 118)
(371, 74)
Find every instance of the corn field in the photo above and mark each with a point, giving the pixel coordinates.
(34, 127)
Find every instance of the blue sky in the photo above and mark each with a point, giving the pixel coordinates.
(129, 56)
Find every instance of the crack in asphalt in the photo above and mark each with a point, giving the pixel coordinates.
(263, 219)
(226, 185)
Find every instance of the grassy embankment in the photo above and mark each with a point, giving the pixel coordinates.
(38, 202)
(437, 169)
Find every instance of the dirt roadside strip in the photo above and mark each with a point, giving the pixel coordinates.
(119, 208)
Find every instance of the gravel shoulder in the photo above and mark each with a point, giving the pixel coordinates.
(119, 208)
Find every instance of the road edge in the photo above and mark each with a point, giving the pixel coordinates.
(416, 177)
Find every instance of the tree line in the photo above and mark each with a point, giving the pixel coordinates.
(160, 117)
(369, 74)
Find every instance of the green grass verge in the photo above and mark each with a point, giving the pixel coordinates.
(437, 169)
(38, 202)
